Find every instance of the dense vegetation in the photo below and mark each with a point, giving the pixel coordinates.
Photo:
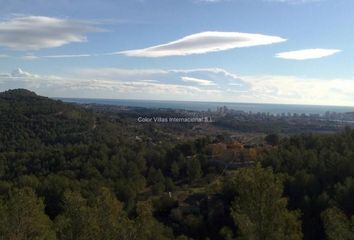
(69, 173)
(318, 174)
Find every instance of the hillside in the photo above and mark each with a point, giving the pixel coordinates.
(28, 121)
(69, 173)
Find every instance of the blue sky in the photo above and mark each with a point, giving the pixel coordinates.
(271, 51)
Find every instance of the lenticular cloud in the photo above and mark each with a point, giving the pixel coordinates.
(307, 54)
(38, 32)
(205, 42)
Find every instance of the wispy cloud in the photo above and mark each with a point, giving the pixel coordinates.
(123, 83)
(204, 78)
(300, 90)
(198, 81)
(205, 42)
(199, 43)
(307, 54)
(68, 56)
(36, 57)
(37, 32)
(18, 73)
(169, 85)
(121, 73)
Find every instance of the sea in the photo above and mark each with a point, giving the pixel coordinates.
(212, 106)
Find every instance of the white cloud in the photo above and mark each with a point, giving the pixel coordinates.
(35, 57)
(37, 32)
(300, 90)
(19, 73)
(307, 54)
(68, 56)
(109, 83)
(203, 77)
(121, 73)
(205, 42)
(169, 85)
(29, 57)
(198, 81)
(166, 84)
(199, 43)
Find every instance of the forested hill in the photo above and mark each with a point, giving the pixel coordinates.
(68, 173)
(28, 121)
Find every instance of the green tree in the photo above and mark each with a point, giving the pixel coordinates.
(226, 233)
(272, 139)
(113, 223)
(101, 219)
(194, 169)
(344, 195)
(337, 226)
(259, 210)
(175, 169)
(148, 228)
(155, 176)
(78, 222)
(169, 184)
(158, 188)
(22, 217)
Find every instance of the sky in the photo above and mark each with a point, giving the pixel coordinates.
(255, 51)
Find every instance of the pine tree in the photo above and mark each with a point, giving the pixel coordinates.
(175, 169)
(259, 210)
(22, 217)
(194, 169)
(337, 226)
